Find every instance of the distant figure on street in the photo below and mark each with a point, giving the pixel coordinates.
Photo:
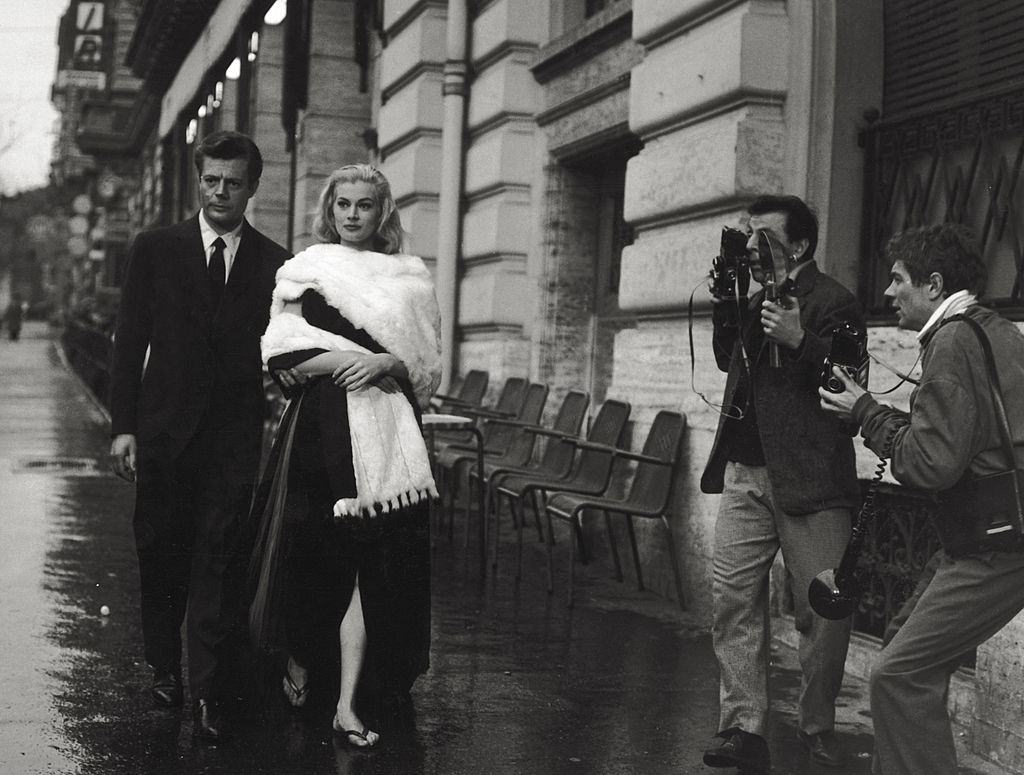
(187, 407)
(13, 317)
(344, 509)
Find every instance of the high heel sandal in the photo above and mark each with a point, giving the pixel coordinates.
(295, 694)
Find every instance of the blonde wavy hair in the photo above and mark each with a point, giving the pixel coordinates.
(390, 236)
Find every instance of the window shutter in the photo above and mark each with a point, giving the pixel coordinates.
(940, 52)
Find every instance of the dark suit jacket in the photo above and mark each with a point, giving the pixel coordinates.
(810, 459)
(201, 360)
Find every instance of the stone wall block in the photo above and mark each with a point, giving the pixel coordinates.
(515, 21)
(501, 353)
(505, 87)
(581, 125)
(739, 52)
(653, 17)
(333, 20)
(421, 43)
(495, 296)
(419, 219)
(395, 10)
(415, 168)
(595, 72)
(498, 225)
(497, 158)
(417, 106)
(999, 697)
(662, 268)
(734, 155)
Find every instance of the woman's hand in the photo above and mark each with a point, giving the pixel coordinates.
(359, 370)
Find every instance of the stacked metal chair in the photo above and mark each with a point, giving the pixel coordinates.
(589, 475)
(647, 497)
(500, 440)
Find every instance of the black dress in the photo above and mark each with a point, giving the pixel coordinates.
(320, 555)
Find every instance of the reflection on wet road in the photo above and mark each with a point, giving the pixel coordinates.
(518, 684)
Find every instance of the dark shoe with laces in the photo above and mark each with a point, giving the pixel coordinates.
(824, 748)
(166, 690)
(733, 747)
(207, 724)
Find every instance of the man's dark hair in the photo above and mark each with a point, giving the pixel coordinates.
(801, 222)
(229, 145)
(949, 249)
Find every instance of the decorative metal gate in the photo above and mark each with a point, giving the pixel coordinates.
(961, 164)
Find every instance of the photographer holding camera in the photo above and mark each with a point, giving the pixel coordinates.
(966, 416)
(788, 480)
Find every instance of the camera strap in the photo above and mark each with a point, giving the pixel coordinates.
(1002, 421)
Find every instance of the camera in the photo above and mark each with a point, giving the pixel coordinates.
(730, 269)
(849, 351)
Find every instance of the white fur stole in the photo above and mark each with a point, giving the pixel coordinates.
(392, 298)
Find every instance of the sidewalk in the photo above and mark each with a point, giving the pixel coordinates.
(622, 684)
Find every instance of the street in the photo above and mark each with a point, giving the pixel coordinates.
(621, 684)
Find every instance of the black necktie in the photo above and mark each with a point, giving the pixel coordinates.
(216, 270)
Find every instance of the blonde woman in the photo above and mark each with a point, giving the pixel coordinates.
(354, 339)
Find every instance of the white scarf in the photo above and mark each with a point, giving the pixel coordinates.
(392, 298)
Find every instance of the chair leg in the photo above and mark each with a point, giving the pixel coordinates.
(636, 552)
(573, 519)
(534, 496)
(612, 545)
(551, 550)
(452, 481)
(494, 505)
(675, 561)
(515, 506)
(469, 508)
(577, 535)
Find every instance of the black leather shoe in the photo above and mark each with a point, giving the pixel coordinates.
(824, 748)
(206, 722)
(733, 747)
(166, 690)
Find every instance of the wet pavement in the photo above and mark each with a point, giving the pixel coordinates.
(622, 683)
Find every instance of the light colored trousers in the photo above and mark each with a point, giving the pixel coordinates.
(749, 532)
(966, 602)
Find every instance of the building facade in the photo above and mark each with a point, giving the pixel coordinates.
(566, 168)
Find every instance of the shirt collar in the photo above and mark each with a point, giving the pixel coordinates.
(951, 305)
(208, 234)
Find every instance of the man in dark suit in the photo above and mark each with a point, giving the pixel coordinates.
(787, 475)
(187, 407)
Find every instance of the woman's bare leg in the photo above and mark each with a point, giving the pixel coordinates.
(353, 650)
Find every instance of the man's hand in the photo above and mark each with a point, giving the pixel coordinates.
(781, 322)
(841, 404)
(715, 299)
(291, 377)
(123, 454)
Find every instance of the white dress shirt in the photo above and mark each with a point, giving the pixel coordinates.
(231, 240)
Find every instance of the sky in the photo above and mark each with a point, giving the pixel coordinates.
(28, 61)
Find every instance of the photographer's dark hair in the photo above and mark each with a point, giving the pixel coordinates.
(228, 145)
(949, 249)
(801, 222)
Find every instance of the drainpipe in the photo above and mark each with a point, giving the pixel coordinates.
(450, 200)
